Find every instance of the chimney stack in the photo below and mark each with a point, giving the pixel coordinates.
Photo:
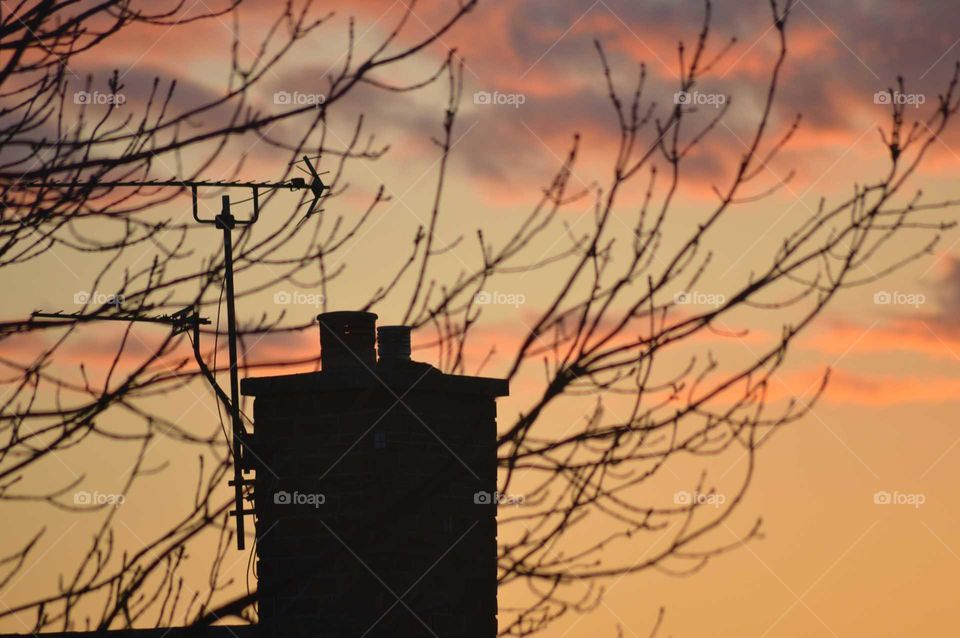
(375, 481)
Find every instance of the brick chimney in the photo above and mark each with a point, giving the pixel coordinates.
(372, 494)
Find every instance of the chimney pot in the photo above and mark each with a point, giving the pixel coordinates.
(393, 344)
(347, 340)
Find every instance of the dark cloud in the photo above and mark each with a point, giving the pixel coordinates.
(840, 55)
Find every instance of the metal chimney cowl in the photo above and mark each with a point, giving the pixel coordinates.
(393, 344)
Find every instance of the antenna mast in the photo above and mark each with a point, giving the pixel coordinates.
(183, 319)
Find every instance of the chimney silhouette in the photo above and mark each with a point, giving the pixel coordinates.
(375, 492)
(346, 340)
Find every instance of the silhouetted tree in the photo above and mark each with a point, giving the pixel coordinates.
(615, 343)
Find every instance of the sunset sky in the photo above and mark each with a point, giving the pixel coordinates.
(835, 559)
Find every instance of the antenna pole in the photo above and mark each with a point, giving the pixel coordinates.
(180, 320)
(226, 221)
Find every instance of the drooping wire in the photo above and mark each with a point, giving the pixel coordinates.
(251, 569)
(216, 338)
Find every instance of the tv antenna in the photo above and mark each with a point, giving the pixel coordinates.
(188, 318)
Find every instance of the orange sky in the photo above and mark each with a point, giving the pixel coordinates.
(833, 562)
